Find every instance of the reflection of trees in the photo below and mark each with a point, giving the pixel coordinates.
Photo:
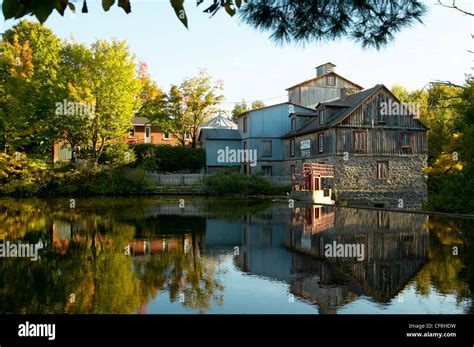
(16, 218)
(92, 269)
(181, 273)
(90, 263)
(448, 273)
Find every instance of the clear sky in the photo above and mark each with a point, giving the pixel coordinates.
(253, 67)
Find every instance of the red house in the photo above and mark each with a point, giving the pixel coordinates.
(142, 132)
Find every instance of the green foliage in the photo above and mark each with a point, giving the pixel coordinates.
(29, 63)
(120, 181)
(118, 154)
(257, 104)
(26, 177)
(105, 76)
(435, 112)
(191, 104)
(166, 158)
(22, 176)
(451, 174)
(239, 109)
(229, 182)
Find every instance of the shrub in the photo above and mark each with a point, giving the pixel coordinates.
(117, 154)
(166, 158)
(104, 182)
(22, 176)
(229, 182)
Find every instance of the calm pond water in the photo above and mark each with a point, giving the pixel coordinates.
(148, 255)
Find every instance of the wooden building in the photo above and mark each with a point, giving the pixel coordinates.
(327, 85)
(376, 144)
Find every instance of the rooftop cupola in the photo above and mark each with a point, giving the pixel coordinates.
(324, 68)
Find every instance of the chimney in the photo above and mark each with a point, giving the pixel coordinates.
(324, 69)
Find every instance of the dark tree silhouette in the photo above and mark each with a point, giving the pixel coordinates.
(372, 23)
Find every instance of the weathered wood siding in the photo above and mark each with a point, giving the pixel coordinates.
(381, 138)
(316, 91)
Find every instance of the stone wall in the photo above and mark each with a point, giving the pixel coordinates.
(356, 180)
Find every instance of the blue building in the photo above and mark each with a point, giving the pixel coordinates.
(219, 144)
(262, 132)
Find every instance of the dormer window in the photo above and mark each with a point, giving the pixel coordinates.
(293, 124)
(331, 80)
(321, 117)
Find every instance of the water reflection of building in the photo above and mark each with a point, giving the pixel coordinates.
(395, 244)
(280, 244)
(262, 241)
(181, 243)
(65, 232)
(395, 247)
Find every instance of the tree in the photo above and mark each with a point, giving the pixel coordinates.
(239, 109)
(151, 99)
(372, 23)
(29, 85)
(106, 78)
(257, 104)
(188, 106)
(176, 118)
(450, 175)
(455, 7)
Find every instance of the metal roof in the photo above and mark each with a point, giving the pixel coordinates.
(219, 134)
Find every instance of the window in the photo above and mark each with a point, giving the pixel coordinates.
(292, 147)
(305, 147)
(293, 124)
(321, 117)
(245, 152)
(166, 136)
(359, 141)
(187, 135)
(382, 169)
(330, 80)
(147, 131)
(382, 111)
(266, 148)
(245, 124)
(267, 170)
(131, 132)
(321, 143)
(406, 139)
